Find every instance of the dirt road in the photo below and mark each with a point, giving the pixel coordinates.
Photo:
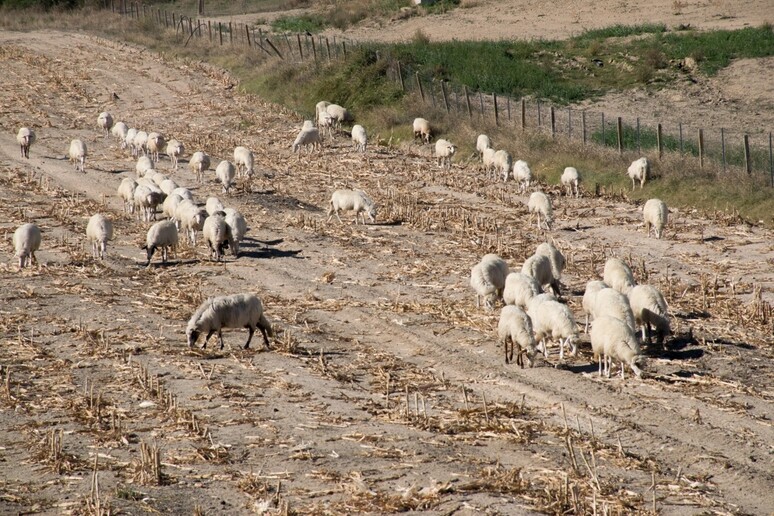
(384, 389)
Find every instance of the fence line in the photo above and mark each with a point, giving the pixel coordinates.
(625, 134)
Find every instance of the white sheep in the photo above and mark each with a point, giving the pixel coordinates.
(183, 192)
(119, 131)
(175, 149)
(129, 141)
(155, 144)
(618, 275)
(540, 204)
(516, 326)
(139, 143)
(553, 320)
(190, 219)
(217, 234)
(488, 163)
(650, 308)
(612, 339)
(126, 193)
(589, 299)
(309, 138)
(147, 197)
(238, 226)
(170, 206)
(320, 109)
(502, 163)
(655, 214)
(571, 181)
(77, 154)
(243, 161)
(325, 124)
(339, 114)
(105, 122)
(144, 163)
(611, 303)
(213, 205)
(444, 150)
(199, 163)
(421, 128)
(355, 200)
(519, 289)
(168, 186)
(25, 138)
(638, 171)
(557, 263)
(538, 267)
(26, 240)
(225, 172)
(487, 278)
(482, 143)
(161, 235)
(235, 311)
(158, 178)
(98, 231)
(359, 138)
(522, 175)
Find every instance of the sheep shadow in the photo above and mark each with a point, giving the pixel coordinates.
(578, 368)
(167, 264)
(270, 252)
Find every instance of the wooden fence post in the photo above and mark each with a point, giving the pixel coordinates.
(569, 123)
(220, 32)
(747, 159)
(230, 34)
(619, 128)
(660, 141)
(247, 34)
(328, 48)
(508, 105)
(553, 123)
(300, 51)
(701, 148)
(496, 115)
(481, 102)
(419, 85)
(314, 49)
(467, 101)
(344, 48)
(445, 99)
(523, 114)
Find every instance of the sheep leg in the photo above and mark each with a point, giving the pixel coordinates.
(505, 345)
(586, 331)
(220, 338)
(250, 331)
(209, 334)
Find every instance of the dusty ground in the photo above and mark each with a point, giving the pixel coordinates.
(385, 390)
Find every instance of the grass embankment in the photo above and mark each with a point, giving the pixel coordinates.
(532, 68)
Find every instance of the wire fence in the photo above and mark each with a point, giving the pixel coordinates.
(753, 153)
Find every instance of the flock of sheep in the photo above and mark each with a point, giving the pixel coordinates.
(529, 316)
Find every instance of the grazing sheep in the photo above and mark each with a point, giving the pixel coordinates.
(319, 110)
(77, 155)
(444, 150)
(655, 214)
(144, 163)
(650, 308)
(501, 163)
(190, 219)
(522, 175)
(168, 186)
(213, 205)
(105, 122)
(540, 204)
(611, 303)
(482, 143)
(359, 138)
(308, 138)
(516, 326)
(26, 240)
(339, 115)
(129, 141)
(158, 178)
(571, 181)
(638, 171)
(325, 124)
(175, 149)
(422, 130)
(589, 299)
(538, 267)
(612, 339)
(217, 234)
(98, 231)
(199, 163)
(147, 197)
(488, 163)
(162, 235)
(236, 311)
(126, 192)
(557, 263)
(119, 131)
(25, 138)
(519, 289)
(355, 200)
(225, 172)
(140, 143)
(170, 205)
(243, 160)
(154, 145)
(487, 278)
(185, 193)
(554, 320)
(238, 226)
(618, 275)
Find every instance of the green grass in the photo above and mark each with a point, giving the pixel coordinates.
(303, 23)
(621, 31)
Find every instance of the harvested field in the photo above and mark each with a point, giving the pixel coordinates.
(385, 390)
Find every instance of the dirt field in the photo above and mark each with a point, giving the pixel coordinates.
(384, 390)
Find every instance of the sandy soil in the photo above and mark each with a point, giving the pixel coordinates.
(385, 389)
